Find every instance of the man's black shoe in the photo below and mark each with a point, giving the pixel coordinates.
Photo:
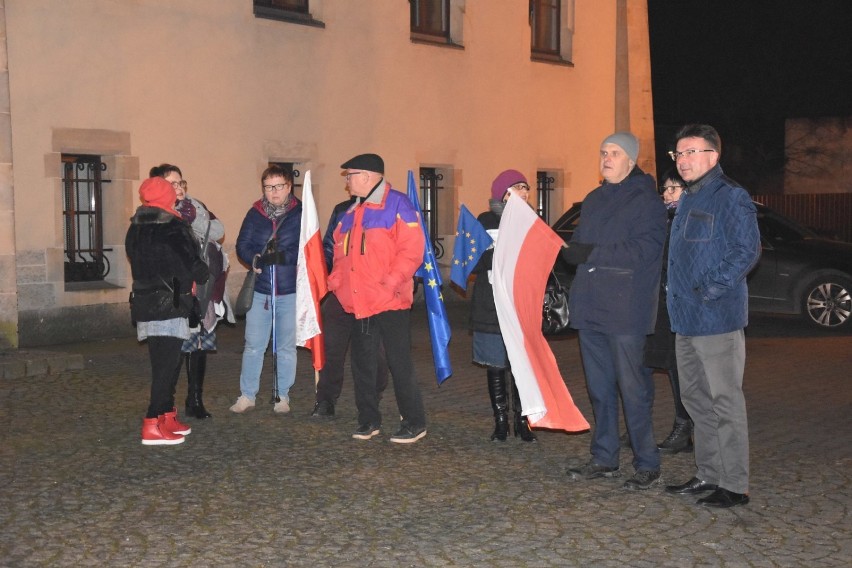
(593, 470)
(408, 434)
(366, 431)
(723, 499)
(691, 487)
(323, 409)
(642, 479)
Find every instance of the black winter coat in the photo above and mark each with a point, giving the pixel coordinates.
(165, 261)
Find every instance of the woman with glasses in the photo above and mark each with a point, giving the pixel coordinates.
(660, 346)
(489, 351)
(212, 300)
(269, 244)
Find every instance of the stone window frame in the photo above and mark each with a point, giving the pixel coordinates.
(118, 200)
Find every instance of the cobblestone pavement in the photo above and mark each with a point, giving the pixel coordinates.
(259, 489)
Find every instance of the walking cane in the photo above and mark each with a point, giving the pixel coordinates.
(275, 395)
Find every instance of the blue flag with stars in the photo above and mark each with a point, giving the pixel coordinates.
(439, 325)
(472, 241)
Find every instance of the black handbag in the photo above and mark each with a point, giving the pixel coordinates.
(554, 311)
(246, 295)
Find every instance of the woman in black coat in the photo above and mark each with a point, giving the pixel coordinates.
(166, 264)
(660, 346)
(489, 350)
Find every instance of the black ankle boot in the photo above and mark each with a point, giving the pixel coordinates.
(499, 403)
(522, 425)
(196, 365)
(680, 439)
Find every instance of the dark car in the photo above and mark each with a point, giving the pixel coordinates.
(798, 272)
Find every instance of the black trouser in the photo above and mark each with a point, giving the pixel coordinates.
(392, 328)
(165, 356)
(337, 331)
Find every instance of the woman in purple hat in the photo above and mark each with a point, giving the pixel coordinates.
(489, 350)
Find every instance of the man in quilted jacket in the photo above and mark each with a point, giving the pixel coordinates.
(714, 244)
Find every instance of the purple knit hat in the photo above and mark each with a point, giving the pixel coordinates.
(504, 181)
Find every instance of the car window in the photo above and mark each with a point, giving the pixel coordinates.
(774, 229)
(568, 222)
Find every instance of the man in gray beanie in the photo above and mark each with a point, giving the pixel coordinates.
(618, 251)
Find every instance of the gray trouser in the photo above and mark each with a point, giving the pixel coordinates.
(711, 380)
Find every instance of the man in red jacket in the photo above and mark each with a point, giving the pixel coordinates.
(378, 245)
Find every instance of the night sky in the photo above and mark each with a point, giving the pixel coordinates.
(744, 66)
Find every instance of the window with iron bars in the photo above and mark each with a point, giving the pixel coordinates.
(431, 18)
(544, 190)
(545, 17)
(295, 11)
(430, 180)
(83, 177)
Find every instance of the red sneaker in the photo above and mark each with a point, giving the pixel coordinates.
(154, 434)
(172, 424)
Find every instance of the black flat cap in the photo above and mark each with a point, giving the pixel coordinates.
(369, 162)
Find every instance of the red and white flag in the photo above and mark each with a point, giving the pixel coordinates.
(524, 254)
(311, 279)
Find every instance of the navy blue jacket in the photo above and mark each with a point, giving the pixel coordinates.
(616, 289)
(254, 235)
(714, 244)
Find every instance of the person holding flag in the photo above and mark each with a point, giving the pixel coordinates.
(489, 350)
(378, 246)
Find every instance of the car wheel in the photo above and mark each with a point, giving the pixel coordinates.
(828, 302)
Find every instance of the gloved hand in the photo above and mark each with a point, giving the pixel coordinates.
(576, 253)
(272, 258)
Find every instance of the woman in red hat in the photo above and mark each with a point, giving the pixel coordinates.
(165, 263)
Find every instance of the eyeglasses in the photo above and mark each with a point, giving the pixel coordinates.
(350, 174)
(179, 184)
(685, 154)
(522, 186)
(670, 188)
(276, 187)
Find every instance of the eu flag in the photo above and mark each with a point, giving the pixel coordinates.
(472, 241)
(439, 325)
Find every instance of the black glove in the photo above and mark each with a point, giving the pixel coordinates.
(272, 258)
(576, 253)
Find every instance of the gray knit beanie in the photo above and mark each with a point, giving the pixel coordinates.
(627, 141)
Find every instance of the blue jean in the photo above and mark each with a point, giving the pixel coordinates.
(258, 334)
(613, 364)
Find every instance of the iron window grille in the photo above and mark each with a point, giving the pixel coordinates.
(430, 180)
(82, 192)
(544, 189)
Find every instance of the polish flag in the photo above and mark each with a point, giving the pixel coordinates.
(524, 255)
(311, 279)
